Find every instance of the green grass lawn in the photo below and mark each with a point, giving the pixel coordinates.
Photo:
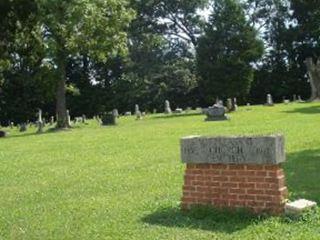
(125, 182)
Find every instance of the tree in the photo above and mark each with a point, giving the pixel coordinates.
(226, 52)
(307, 40)
(314, 75)
(77, 27)
(160, 64)
(16, 25)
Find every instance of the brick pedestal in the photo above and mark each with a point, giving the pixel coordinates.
(260, 188)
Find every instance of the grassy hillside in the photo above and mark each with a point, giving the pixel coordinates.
(125, 182)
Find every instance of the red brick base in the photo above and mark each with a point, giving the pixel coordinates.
(260, 188)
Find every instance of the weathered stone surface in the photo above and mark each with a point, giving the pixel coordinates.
(233, 150)
(167, 109)
(108, 119)
(269, 100)
(216, 113)
(299, 206)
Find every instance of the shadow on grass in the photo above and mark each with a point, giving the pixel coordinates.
(302, 171)
(205, 218)
(48, 131)
(306, 110)
(176, 115)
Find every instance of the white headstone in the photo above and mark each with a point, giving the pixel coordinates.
(167, 109)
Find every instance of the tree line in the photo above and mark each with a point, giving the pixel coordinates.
(94, 56)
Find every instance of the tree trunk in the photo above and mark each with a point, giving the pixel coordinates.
(61, 109)
(314, 76)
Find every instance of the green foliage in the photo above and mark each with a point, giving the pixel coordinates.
(280, 71)
(92, 27)
(16, 23)
(307, 16)
(226, 52)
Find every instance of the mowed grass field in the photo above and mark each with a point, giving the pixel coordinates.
(125, 182)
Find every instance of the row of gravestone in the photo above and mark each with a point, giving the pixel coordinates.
(109, 118)
(41, 123)
(217, 112)
(214, 113)
(295, 98)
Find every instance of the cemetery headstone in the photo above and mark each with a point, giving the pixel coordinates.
(234, 172)
(51, 120)
(68, 118)
(137, 112)
(40, 122)
(23, 127)
(115, 113)
(83, 119)
(294, 97)
(138, 115)
(229, 105)
(286, 101)
(216, 113)
(108, 119)
(178, 111)
(136, 109)
(269, 100)
(167, 109)
(300, 99)
(234, 104)
(127, 113)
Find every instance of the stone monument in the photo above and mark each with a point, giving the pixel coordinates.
(234, 172)
(108, 119)
(216, 113)
(167, 109)
(234, 104)
(68, 118)
(23, 127)
(83, 118)
(269, 100)
(115, 113)
(51, 120)
(136, 109)
(300, 99)
(178, 110)
(40, 122)
(137, 112)
(294, 97)
(229, 105)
